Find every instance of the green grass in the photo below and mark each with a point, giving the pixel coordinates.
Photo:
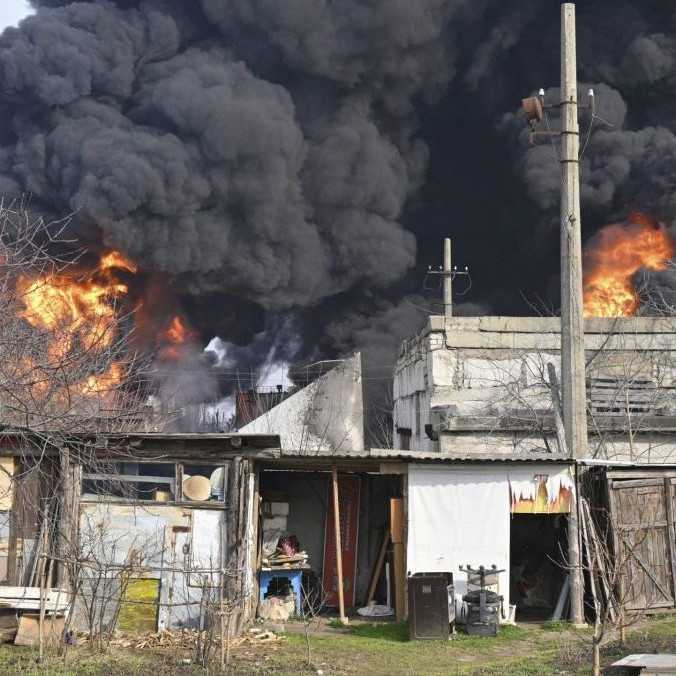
(385, 648)
(525, 650)
(556, 625)
(375, 649)
(16, 660)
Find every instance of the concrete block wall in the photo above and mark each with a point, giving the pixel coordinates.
(497, 366)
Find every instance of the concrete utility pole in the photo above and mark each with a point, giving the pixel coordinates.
(448, 279)
(572, 323)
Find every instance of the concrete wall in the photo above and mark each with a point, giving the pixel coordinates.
(497, 367)
(327, 415)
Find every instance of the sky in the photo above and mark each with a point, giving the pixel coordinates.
(11, 11)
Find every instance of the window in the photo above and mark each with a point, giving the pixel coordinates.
(131, 481)
(155, 482)
(404, 438)
(203, 482)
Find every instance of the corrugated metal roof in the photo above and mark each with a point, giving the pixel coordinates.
(625, 464)
(396, 455)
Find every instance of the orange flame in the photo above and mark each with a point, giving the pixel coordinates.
(175, 337)
(114, 259)
(100, 384)
(616, 254)
(177, 333)
(78, 311)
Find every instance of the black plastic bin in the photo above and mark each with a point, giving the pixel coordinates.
(431, 606)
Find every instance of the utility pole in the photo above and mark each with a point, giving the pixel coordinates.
(572, 322)
(448, 279)
(449, 273)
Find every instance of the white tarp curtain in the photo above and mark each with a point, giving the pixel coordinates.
(458, 516)
(461, 515)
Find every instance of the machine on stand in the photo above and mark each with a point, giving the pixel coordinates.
(483, 606)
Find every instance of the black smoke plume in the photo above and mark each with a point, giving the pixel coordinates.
(297, 162)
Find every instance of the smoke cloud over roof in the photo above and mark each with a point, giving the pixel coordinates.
(300, 160)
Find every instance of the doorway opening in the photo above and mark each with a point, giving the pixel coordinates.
(538, 548)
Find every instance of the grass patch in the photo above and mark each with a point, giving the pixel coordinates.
(385, 631)
(375, 649)
(20, 660)
(556, 625)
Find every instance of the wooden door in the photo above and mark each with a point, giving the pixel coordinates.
(643, 512)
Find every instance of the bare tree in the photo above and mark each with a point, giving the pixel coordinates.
(608, 551)
(66, 362)
(65, 359)
(312, 602)
(657, 291)
(67, 372)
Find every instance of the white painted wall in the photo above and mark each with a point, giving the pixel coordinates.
(327, 415)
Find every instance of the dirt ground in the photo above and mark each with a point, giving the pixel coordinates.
(365, 648)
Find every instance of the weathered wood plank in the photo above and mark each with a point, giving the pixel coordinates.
(634, 483)
(648, 579)
(671, 532)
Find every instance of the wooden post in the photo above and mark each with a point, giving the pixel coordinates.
(221, 613)
(378, 567)
(572, 322)
(232, 501)
(671, 528)
(574, 559)
(43, 583)
(397, 534)
(339, 547)
(556, 402)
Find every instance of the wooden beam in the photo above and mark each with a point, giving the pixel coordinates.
(397, 530)
(232, 502)
(378, 567)
(671, 530)
(642, 474)
(339, 548)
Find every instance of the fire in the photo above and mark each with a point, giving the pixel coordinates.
(114, 259)
(174, 338)
(100, 384)
(78, 310)
(177, 333)
(615, 256)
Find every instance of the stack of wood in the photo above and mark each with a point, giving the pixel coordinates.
(279, 559)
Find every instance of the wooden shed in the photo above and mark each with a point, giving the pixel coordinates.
(641, 503)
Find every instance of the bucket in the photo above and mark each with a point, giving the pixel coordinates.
(511, 615)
